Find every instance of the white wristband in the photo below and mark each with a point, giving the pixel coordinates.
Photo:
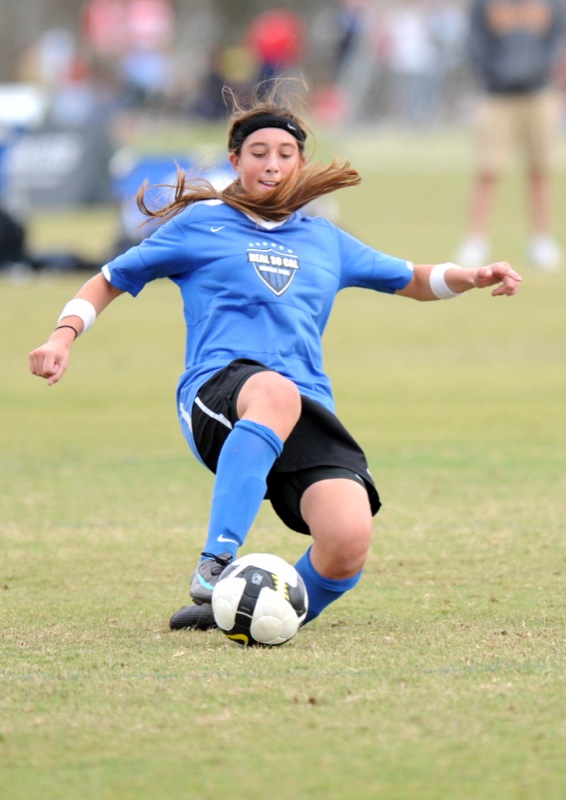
(82, 309)
(438, 285)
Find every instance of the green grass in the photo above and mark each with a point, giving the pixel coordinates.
(441, 677)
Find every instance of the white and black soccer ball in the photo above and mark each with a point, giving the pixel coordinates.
(260, 599)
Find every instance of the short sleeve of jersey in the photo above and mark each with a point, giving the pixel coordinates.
(366, 268)
(161, 255)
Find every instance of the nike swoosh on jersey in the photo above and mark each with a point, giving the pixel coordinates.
(215, 230)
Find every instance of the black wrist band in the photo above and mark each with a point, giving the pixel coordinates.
(58, 328)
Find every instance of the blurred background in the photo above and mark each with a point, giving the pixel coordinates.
(97, 96)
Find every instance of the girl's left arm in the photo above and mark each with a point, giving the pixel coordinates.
(443, 281)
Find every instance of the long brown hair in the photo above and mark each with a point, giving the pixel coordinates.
(311, 181)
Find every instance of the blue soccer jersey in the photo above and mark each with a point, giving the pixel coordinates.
(261, 291)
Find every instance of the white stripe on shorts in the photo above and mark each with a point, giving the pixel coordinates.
(186, 416)
(218, 417)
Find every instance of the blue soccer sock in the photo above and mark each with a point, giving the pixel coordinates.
(321, 591)
(239, 487)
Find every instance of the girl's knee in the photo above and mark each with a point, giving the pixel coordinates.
(272, 400)
(339, 517)
(343, 553)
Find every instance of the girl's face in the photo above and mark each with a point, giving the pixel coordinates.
(267, 157)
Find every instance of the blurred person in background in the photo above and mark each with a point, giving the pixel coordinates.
(13, 252)
(448, 25)
(515, 48)
(350, 18)
(147, 63)
(413, 61)
(136, 38)
(276, 39)
(232, 66)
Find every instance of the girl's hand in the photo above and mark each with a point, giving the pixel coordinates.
(50, 360)
(500, 274)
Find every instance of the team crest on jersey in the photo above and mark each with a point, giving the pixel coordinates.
(274, 265)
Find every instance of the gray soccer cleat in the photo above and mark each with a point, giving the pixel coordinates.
(206, 576)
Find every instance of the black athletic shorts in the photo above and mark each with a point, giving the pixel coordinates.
(318, 448)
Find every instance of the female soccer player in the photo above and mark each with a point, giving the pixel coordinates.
(258, 278)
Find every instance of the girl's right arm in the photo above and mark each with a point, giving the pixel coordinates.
(50, 360)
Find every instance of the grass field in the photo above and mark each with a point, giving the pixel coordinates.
(440, 678)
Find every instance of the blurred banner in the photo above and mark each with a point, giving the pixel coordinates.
(43, 165)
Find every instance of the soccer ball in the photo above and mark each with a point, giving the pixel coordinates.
(259, 599)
